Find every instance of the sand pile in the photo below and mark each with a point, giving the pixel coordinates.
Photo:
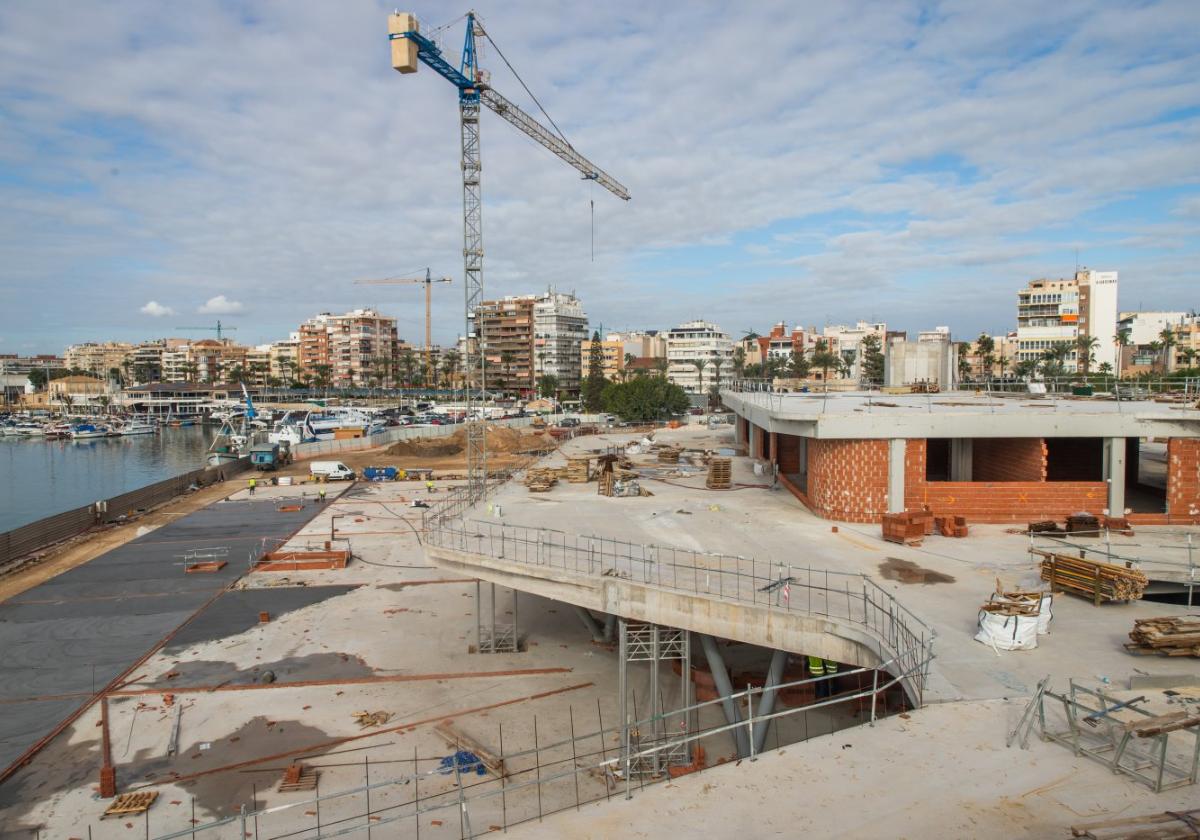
(500, 439)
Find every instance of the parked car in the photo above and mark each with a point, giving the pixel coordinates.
(569, 422)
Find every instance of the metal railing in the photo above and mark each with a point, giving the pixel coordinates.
(844, 596)
(549, 777)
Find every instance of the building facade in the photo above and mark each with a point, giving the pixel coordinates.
(559, 329)
(698, 354)
(347, 350)
(505, 328)
(641, 344)
(612, 354)
(99, 358)
(1058, 312)
(11, 363)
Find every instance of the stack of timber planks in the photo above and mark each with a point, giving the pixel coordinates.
(668, 455)
(1092, 579)
(720, 474)
(1169, 825)
(540, 479)
(578, 470)
(1177, 635)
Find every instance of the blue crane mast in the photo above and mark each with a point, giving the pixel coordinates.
(409, 47)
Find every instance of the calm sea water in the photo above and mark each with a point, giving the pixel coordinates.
(43, 477)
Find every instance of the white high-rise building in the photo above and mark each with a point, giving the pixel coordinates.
(703, 342)
(1050, 312)
(559, 329)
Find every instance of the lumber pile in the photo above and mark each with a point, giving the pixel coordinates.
(578, 470)
(907, 528)
(1092, 579)
(1168, 825)
(720, 474)
(1167, 636)
(540, 479)
(668, 455)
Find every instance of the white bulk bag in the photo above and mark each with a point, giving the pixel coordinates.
(1045, 613)
(1007, 632)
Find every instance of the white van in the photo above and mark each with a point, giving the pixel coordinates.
(331, 470)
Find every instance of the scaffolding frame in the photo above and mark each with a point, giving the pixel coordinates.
(653, 643)
(495, 636)
(1116, 747)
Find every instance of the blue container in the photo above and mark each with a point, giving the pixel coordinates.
(380, 473)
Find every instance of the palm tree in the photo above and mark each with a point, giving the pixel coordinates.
(1168, 339)
(1121, 340)
(450, 362)
(824, 358)
(105, 401)
(985, 346)
(190, 369)
(1189, 355)
(700, 365)
(408, 367)
(507, 357)
(798, 364)
(739, 361)
(1085, 345)
(1105, 368)
(322, 376)
(67, 401)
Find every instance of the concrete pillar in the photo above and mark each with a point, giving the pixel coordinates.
(733, 712)
(1114, 474)
(896, 475)
(767, 705)
(961, 457)
(752, 445)
(593, 626)
(739, 430)
(773, 448)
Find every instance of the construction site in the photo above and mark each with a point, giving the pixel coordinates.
(841, 614)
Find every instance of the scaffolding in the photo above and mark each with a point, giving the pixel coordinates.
(655, 644)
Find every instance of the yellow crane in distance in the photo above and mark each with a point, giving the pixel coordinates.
(428, 280)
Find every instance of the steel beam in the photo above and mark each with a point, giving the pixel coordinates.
(767, 705)
(590, 623)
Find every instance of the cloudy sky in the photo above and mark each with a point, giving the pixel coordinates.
(168, 164)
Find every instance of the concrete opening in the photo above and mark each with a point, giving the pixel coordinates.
(937, 459)
(1074, 459)
(1145, 475)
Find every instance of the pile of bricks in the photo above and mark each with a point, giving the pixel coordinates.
(907, 528)
(951, 526)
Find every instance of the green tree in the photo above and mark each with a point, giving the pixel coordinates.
(1085, 346)
(547, 385)
(104, 401)
(873, 360)
(593, 385)
(507, 359)
(739, 361)
(645, 398)
(1168, 340)
(1189, 356)
(1105, 368)
(114, 373)
(1121, 340)
(451, 360)
(824, 358)
(662, 366)
(408, 367)
(322, 376)
(985, 348)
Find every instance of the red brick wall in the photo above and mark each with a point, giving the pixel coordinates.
(998, 501)
(1008, 459)
(847, 479)
(1183, 477)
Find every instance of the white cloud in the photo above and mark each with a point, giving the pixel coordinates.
(156, 310)
(220, 305)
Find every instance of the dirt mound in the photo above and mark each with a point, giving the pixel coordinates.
(500, 439)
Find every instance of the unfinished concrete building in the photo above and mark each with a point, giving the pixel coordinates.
(854, 457)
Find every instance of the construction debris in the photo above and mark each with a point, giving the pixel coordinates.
(578, 470)
(1091, 579)
(366, 720)
(541, 479)
(128, 804)
(720, 474)
(951, 526)
(299, 777)
(461, 741)
(1166, 636)
(1169, 825)
(668, 455)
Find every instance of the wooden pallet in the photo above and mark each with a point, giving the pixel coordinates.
(130, 803)
(578, 470)
(720, 474)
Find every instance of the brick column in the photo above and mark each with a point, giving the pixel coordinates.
(1183, 477)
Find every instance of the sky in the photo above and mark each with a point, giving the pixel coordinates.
(165, 165)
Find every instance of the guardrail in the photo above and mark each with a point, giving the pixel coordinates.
(27, 539)
(844, 596)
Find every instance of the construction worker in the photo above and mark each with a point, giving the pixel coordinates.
(429, 486)
(321, 492)
(816, 668)
(253, 483)
(831, 669)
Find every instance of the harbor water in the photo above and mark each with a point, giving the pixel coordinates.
(40, 477)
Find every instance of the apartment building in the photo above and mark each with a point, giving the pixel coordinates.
(283, 358)
(11, 363)
(559, 330)
(698, 342)
(99, 358)
(1050, 312)
(505, 328)
(349, 347)
(612, 354)
(641, 344)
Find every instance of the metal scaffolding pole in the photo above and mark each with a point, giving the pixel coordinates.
(473, 363)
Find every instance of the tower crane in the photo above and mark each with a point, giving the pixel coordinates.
(428, 280)
(409, 47)
(218, 329)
